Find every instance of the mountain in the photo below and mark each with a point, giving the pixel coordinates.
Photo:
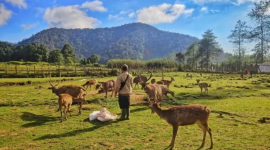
(134, 41)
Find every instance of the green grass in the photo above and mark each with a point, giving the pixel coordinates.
(28, 117)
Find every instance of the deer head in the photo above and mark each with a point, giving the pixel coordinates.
(154, 105)
(54, 87)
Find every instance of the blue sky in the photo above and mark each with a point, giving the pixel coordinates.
(19, 19)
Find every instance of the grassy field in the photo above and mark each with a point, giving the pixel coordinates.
(28, 117)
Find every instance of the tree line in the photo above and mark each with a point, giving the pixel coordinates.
(41, 53)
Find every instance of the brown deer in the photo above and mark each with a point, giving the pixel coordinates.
(66, 101)
(73, 90)
(152, 90)
(153, 81)
(183, 116)
(167, 82)
(90, 83)
(137, 80)
(106, 86)
(204, 86)
(160, 82)
(166, 91)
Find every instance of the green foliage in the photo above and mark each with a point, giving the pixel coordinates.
(180, 57)
(56, 57)
(31, 52)
(68, 54)
(130, 41)
(191, 53)
(84, 61)
(93, 59)
(6, 51)
(260, 33)
(208, 48)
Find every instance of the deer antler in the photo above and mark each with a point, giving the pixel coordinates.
(51, 81)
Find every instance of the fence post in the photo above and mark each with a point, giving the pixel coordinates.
(16, 69)
(6, 68)
(27, 68)
(42, 70)
(34, 69)
(75, 70)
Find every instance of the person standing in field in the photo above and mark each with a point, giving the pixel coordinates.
(124, 86)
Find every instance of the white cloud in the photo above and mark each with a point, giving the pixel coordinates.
(235, 2)
(69, 17)
(204, 9)
(214, 11)
(94, 6)
(5, 15)
(164, 13)
(131, 15)
(28, 26)
(19, 3)
(118, 17)
(122, 12)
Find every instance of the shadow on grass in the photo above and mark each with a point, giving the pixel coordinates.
(97, 124)
(36, 120)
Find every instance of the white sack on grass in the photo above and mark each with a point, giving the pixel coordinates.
(93, 115)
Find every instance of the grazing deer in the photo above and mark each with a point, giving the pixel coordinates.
(205, 86)
(153, 81)
(106, 86)
(90, 83)
(198, 81)
(160, 82)
(166, 91)
(183, 116)
(137, 79)
(167, 82)
(66, 101)
(73, 90)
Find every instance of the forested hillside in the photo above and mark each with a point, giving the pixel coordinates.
(135, 41)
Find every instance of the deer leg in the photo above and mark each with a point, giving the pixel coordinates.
(210, 133)
(175, 129)
(80, 108)
(69, 110)
(201, 91)
(65, 111)
(203, 127)
(61, 114)
(148, 98)
(112, 92)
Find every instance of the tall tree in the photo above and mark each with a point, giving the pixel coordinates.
(208, 48)
(68, 54)
(180, 57)
(56, 57)
(238, 37)
(6, 51)
(191, 53)
(261, 32)
(94, 58)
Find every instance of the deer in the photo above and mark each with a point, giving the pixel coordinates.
(183, 116)
(73, 90)
(167, 82)
(166, 91)
(153, 81)
(106, 86)
(204, 86)
(152, 90)
(90, 83)
(66, 101)
(160, 82)
(137, 79)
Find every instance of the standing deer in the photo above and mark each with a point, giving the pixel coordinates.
(167, 82)
(205, 86)
(152, 90)
(106, 86)
(66, 101)
(73, 90)
(137, 79)
(183, 116)
(166, 91)
(90, 83)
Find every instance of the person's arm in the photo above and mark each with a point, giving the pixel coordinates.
(117, 84)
